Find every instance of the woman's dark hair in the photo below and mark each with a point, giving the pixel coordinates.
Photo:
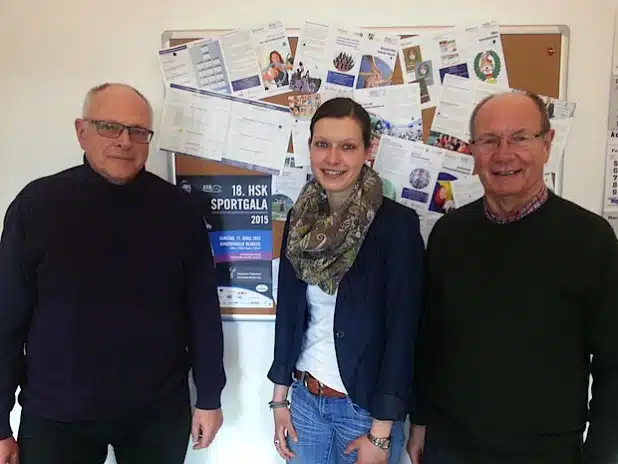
(341, 107)
(270, 56)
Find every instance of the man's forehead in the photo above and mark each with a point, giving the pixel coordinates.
(504, 109)
(119, 104)
(509, 103)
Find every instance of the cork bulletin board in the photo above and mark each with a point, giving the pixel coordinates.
(536, 57)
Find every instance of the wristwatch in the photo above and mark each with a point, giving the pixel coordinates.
(382, 443)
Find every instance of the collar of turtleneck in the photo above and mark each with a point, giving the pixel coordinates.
(97, 179)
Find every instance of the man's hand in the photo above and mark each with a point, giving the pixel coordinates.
(416, 443)
(368, 453)
(206, 424)
(9, 453)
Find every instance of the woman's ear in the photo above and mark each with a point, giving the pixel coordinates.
(368, 153)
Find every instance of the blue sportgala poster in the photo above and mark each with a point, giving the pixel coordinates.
(237, 211)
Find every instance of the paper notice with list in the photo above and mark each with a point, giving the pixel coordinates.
(237, 131)
(227, 64)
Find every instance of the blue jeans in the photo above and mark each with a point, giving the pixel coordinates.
(326, 426)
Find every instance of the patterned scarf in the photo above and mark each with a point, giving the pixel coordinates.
(322, 247)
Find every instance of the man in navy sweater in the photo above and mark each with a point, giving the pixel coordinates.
(107, 299)
(521, 308)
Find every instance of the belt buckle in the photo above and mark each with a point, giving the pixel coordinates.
(304, 379)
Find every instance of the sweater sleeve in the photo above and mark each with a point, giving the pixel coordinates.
(206, 342)
(17, 295)
(403, 307)
(601, 445)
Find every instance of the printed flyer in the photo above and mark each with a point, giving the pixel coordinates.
(237, 211)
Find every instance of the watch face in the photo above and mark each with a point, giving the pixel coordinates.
(383, 443)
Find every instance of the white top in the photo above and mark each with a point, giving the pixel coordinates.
(318, 356)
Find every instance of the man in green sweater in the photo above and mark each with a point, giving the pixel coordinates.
(522, 307)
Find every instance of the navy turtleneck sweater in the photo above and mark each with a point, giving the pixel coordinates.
(111, 291)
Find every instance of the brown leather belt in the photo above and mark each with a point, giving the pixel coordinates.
(316, 387)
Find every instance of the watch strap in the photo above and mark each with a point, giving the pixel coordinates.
(382, 443)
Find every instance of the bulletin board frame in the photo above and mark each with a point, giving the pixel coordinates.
(170, 36)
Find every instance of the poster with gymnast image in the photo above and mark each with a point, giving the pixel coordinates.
(275, 57)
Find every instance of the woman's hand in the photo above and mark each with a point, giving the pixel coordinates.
(368, 453)
(283, 428)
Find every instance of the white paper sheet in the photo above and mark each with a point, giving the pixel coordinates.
(451, 124)
(287, 187)
(343, 57)
(469, 50)
(378, 61)
(549, 177)
(394, 110)
(275, 283)
(242, 63)
(561, 133)
(194, 122)
(339, 56)
(408, 170)
(227, 64)
(611, 177)
(198, 63)
(467, 190)
(258, 136)
(456, 166)
(242, 132)
(272, 47)
(300, 141)
(309, 64)
(419, 56)
(459, 96)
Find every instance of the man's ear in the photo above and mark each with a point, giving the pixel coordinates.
(549, 138)
(80, 128)
(547, 141)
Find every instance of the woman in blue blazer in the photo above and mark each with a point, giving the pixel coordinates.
(349, 299)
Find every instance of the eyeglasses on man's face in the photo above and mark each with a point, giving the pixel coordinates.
(520, 140)
(113, 130)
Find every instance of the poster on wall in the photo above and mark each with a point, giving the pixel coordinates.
(610, 202)
(340, 57)
(472, 51)
(274, 55)
(237, 210)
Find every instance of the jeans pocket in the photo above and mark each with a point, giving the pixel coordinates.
(357, 410)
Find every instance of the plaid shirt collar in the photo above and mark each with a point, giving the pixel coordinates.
(535, 203)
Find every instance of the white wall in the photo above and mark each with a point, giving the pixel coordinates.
(50, 60)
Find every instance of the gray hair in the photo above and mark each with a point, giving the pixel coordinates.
(94, 91)
(538, 101)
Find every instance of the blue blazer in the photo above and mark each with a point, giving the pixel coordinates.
(376, 315)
